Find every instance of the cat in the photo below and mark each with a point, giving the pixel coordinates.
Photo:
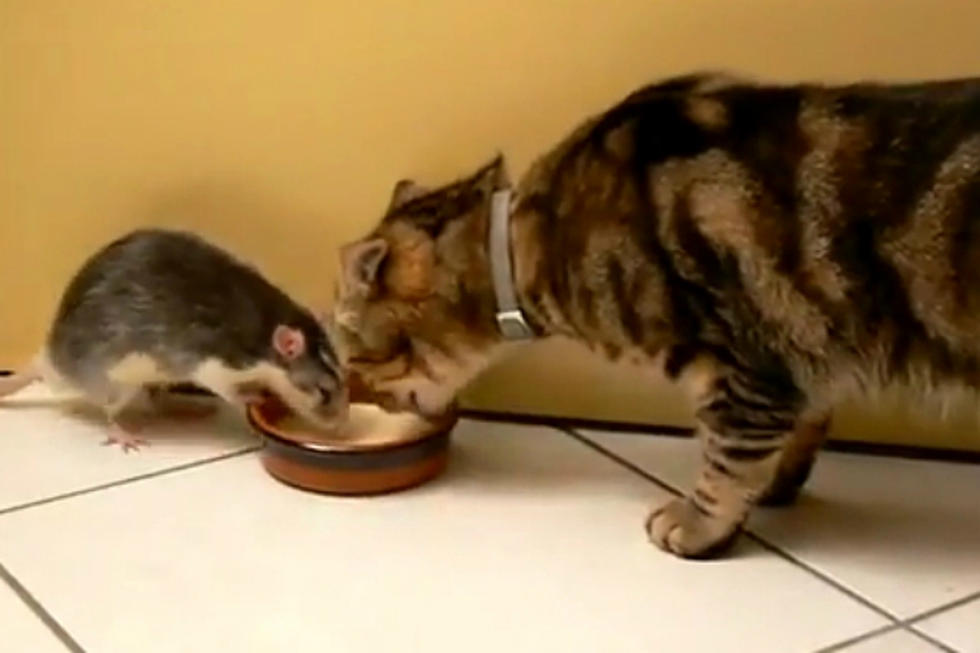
(776, 248)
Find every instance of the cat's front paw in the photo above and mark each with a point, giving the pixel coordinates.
(680, 528)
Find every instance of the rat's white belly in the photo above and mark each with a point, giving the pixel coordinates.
(138, 369)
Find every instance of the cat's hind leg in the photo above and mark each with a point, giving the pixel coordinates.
(796, 462)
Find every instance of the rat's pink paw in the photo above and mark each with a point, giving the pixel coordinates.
(126, 440)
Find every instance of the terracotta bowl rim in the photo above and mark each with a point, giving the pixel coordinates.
(260, 421)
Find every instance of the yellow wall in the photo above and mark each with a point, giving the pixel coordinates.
(278, 127)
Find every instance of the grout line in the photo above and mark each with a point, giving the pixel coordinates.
(969, 598)
(827, 579)
(942, 646)
(126, 481)
(909, 623)
(897, 623)
(636, 469)
(34, 605)
(903, 451)
(863, 637)
(769, 546)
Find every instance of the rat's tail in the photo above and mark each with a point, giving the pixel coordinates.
(11, 383)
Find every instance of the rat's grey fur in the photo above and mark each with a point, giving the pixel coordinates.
(178, 301)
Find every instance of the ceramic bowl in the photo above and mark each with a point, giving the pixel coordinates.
(306, 459)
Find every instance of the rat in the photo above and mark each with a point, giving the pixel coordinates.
(158, 307)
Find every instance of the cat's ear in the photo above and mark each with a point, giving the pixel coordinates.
(405, 191)
(361, 262)
(493, 175)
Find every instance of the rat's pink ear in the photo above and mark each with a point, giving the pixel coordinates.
(290, 343)
(361, 262)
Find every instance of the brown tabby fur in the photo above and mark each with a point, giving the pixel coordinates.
(777, 247)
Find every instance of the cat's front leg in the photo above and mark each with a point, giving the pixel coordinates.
(743, 431)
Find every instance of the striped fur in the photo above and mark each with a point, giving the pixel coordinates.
(792, 245)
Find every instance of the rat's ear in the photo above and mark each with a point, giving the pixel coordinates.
(361, 262)
(290, 343)
(405, 191)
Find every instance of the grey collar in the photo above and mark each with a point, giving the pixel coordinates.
(510, 317)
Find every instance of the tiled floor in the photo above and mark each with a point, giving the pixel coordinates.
(531, 542)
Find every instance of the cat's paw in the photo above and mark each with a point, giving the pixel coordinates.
(680, 528)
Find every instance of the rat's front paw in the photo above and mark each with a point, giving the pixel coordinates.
(680, 528)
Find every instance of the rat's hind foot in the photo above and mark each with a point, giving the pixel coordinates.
(125, 439)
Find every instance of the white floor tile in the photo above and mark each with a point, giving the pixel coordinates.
(21, 630)
(903, 533)
(958, 628)
(530, 542)
(50, 446)
(896, 641)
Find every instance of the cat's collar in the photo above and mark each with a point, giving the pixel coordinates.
(510, 317)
